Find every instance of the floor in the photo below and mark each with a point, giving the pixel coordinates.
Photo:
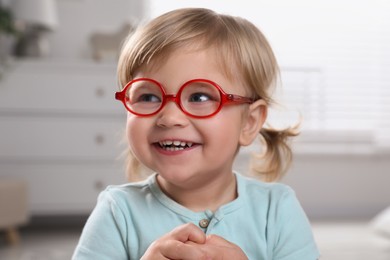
(338, 240)
(55, 244)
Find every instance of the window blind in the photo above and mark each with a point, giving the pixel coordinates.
(347, 92)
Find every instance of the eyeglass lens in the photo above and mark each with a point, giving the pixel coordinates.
(198, 98)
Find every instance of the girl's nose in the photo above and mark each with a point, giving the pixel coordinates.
(171, 116)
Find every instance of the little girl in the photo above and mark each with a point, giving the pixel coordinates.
(196, 85)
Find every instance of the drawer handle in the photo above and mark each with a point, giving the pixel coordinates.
(99, 185)
(99, 92)
(99, 139)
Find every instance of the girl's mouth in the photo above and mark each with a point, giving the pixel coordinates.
(174, 145)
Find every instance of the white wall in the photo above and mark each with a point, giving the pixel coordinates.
(78, 19)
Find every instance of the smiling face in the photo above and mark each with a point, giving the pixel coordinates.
(188, 152)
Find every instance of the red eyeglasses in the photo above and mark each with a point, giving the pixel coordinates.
(199, 98)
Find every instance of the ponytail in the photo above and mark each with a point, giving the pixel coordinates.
(135, 170)
(273, 163)
(133, 167)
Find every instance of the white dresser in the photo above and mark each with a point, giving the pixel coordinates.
(62, 131)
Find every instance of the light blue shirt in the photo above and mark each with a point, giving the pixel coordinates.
(266, 221)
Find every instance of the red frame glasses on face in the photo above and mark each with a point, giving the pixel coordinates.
(198, 98)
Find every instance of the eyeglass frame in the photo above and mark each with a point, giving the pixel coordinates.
(226, 98)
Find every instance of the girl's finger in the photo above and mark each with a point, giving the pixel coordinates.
(218, 241)
(178, 250)
(219, 248)
(188, 232)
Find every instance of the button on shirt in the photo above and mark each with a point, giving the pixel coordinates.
(204, 223)
(266, 221)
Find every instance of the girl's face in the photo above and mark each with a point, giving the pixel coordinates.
(213, 141)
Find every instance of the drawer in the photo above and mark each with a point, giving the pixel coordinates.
(60, 139)
(64, 189)
(61, 90)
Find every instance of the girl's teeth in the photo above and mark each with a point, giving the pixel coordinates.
(174, 145)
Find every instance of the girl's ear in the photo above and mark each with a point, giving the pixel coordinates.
(253, 122)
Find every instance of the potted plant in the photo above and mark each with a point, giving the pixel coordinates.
(8, 34)
(8, 31)
(6, 21)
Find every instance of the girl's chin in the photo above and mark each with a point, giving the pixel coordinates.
(179, 179)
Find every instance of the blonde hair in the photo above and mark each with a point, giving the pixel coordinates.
(235, 41)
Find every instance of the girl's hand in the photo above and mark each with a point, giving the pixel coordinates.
(218, 248)
(181, 243)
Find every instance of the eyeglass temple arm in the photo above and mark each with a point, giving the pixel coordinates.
(120, 96)
(239, 99)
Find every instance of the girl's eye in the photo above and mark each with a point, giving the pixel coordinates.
(199, 97)
(148, 98)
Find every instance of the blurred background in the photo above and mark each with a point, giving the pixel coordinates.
(61, 131)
